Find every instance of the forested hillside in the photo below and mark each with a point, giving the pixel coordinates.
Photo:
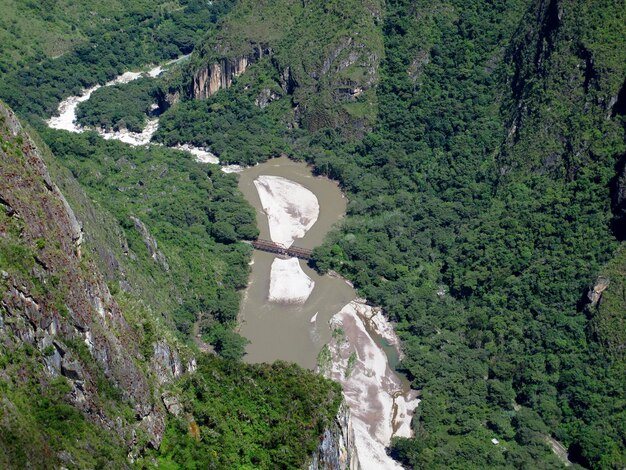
(112, 259)
(128, 34)
(480, 215)
(481, 145)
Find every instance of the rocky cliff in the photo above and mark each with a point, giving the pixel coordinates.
(55, 302)
(328, 68)
(211, 78)
(337, 450)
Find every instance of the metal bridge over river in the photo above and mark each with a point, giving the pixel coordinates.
(271, 247)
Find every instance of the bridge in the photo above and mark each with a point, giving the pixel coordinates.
(271, 247)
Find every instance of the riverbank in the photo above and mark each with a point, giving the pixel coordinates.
(66, 118)
(382, 405)
(355, 339)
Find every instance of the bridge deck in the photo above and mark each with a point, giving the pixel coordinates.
(271, 247)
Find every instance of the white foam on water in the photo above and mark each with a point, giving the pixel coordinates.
(203, 155)
(66, 120)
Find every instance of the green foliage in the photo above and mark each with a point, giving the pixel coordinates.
(440, 196)
(229, 124)
(249, 416)
(227, 343)
(39, 428)
(119, 106)
(194, 211)
(143, 32)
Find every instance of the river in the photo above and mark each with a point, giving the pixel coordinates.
(281, 330)
(327, 327)
(289, 312)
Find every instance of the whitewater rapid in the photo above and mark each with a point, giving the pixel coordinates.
(66, 118)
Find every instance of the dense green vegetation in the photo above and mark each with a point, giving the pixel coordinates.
(194, 211)
(141, 33)
(119, 106)
(479, 214)
(504, 349)
(230, 124)
(249, 416)
(323, 52)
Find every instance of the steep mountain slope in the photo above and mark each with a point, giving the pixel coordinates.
(324, 57)
(88, 376)
(58, 313)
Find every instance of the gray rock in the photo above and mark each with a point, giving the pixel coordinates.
(265, 97)
(172, 404)
(72, 369)
(166, 362)
(151, 243)
(337, 450)
(595, 293)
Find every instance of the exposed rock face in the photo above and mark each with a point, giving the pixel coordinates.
(151, 243)
(173, 404)
(265, 97)
(329, 73)
(166, 362)
(418, 64)
(220, 74)
(55, 300)
(337, 450)
(595, 293)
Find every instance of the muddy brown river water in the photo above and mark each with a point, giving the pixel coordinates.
(362, 356)
(355, 350)
(285, 331)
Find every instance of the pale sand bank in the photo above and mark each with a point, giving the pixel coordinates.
(291, 208)
(381, 407)
(289, 284)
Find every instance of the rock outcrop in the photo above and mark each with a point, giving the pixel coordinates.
(337, 450)
(219, 74)
(595, 293)
(55, 300)
(151, 243)
(329, 72)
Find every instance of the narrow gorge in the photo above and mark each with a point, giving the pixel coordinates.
(312, 234)
(343, 338)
